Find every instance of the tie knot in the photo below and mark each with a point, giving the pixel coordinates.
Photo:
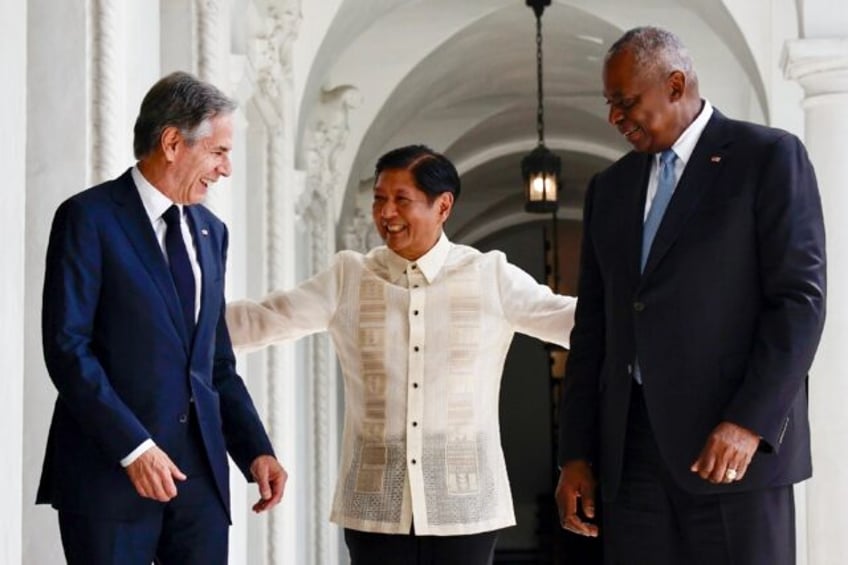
(172, 216)
(667, 157)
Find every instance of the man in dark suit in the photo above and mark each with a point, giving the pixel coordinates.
(701, 303)
(136, 343)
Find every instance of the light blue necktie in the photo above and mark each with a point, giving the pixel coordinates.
(665, 188)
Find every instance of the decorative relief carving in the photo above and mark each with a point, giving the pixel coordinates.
(328, 137)
(208, 20)
(276, 209)
(323, 142)
(104, 90)
(316, 216)
(360, 233)
(276, 248)
(271, 50)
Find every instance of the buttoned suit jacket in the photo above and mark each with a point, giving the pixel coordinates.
(119, 354)
(724, 321)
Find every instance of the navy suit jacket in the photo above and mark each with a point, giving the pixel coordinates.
(118, 352)
(725, 319)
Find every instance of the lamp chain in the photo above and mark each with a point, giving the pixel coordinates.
(540, 109)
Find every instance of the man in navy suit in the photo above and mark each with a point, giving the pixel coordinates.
(136, 343)
(701, 303)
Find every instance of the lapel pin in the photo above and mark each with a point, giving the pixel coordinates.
(715, 158)
(204, 232)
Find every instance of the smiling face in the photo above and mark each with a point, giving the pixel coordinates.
(193, 167)
(405, 218)
(644, 105)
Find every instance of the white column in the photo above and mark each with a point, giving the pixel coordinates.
(213, 51)
(317, 209)
(280, 360)
(13, 36)
(821, 67)
(270, 194)
(106, 90)
(58, 165)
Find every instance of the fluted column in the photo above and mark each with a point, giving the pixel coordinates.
(821, 67)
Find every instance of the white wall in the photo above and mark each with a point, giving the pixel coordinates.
(12, 231)
(56, 165)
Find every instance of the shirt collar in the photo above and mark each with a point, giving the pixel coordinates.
(155, 203)
(430, 264)
(685, 144)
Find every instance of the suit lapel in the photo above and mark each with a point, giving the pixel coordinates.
(698, 177)
(135, 223)
(636, 220)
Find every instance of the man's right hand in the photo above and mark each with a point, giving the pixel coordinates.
(576, 481)
(153, 474)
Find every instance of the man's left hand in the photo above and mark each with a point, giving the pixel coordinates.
(727, 454)
(271, 478)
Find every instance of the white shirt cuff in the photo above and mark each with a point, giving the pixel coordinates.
(136, 453)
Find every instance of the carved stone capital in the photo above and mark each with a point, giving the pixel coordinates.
(327, 137)
(271, 48)
(820, 66)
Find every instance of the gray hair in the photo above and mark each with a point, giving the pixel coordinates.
(182, 101)
(656, 51)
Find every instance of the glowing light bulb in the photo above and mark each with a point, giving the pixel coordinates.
(538, 187)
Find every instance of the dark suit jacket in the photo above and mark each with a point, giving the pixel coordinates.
(118, 352)
(725, 319)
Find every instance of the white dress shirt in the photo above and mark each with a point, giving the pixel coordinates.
(422, 347)
(683, 148)
(155, 203)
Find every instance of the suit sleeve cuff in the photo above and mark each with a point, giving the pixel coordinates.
(136, 453)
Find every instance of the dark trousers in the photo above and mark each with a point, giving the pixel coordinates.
(409, 549)
(653, 522)
(191, 529)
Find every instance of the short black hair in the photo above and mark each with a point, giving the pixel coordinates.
(434, 174)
